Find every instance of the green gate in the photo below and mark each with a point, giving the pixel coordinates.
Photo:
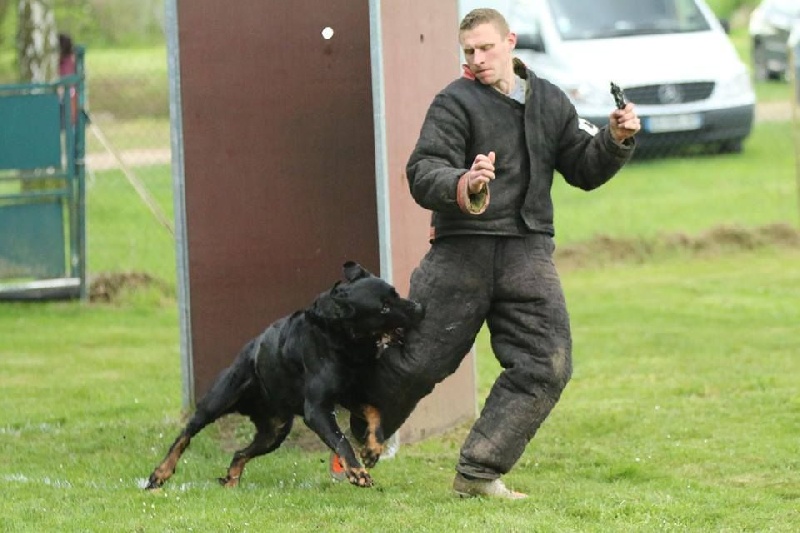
(42, 188)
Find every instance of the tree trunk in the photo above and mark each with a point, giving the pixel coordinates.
(37, 41)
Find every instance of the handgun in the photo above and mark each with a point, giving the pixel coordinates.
(619, 95)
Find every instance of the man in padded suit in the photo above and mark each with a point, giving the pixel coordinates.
(484, 165)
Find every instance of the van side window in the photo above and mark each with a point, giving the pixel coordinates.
(687, 15)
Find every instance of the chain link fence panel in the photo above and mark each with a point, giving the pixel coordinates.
(127, 80)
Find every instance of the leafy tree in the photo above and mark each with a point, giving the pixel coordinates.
(37, 41)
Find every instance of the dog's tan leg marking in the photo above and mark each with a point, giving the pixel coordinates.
(234, 473)
(373, 447)
(358, 476)
(264, 442)
(167, 467)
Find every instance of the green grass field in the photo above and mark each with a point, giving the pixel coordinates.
(679, 195)
(682, 416)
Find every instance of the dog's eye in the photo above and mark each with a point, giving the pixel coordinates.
(385, 310)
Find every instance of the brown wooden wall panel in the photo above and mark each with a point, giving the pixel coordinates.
(279, 163)
(421, 56)
(418, 37)
(278, 158)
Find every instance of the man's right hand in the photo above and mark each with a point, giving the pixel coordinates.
(480, 173)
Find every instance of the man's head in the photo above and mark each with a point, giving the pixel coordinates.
(487, 43)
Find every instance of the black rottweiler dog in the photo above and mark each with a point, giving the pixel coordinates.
(306, 364)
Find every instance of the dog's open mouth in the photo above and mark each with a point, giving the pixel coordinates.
(386, 339)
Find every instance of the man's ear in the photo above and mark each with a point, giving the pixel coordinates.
(354, 271)
(512, 39)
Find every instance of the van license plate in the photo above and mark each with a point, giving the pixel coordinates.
(686, 122)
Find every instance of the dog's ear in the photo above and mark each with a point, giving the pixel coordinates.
(354, 271)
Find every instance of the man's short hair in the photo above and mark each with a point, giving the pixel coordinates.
(484, 15)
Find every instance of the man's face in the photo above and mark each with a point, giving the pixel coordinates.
(488, 53)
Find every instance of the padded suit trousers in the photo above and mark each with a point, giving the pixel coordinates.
(511, 284)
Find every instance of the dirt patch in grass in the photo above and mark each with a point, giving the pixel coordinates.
(110, 287)
(603, 250)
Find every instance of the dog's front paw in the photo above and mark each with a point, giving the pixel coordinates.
(371, 454)
(359, 477)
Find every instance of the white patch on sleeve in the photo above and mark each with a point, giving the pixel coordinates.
(587, 126)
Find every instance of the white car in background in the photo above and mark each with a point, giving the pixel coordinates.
(673, 59)
(770, 26)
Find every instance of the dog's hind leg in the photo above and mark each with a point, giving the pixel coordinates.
(270, 434)
(223, 398)
(166, 468)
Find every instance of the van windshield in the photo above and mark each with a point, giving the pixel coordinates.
(604, 19)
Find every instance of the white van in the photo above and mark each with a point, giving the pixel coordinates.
(672, 58)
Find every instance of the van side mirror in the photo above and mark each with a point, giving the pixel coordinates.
(530, 41)
(726, 25)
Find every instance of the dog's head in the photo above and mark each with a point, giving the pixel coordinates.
(364, 305)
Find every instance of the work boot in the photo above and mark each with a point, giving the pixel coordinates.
(466, 487)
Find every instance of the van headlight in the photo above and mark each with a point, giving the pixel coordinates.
(737, 86)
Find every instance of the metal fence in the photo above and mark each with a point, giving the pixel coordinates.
(129, 109)
(126, 84)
